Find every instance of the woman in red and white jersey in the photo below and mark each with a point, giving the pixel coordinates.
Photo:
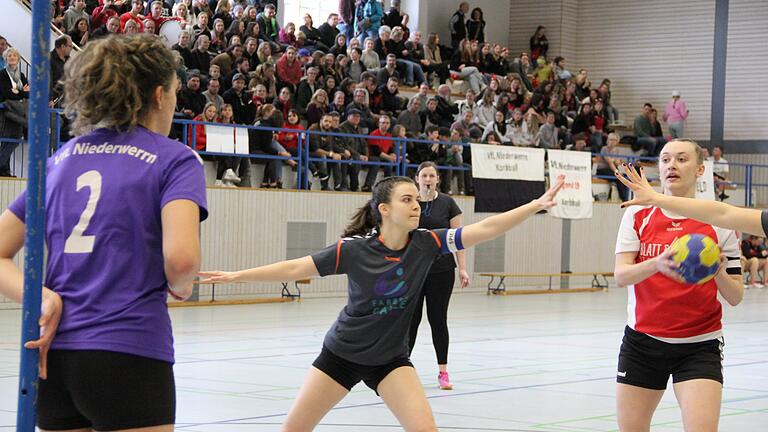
(674, 328)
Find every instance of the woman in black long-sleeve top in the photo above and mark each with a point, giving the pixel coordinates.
(13, 88)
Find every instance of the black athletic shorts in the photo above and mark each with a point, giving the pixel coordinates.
(647, 362)
(348, 374)
(105, 391)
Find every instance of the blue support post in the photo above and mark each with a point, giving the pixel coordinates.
(39, 130)
(305, 152)
(300, 165)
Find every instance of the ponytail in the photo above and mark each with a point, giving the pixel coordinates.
(363, 221)
(368, 216)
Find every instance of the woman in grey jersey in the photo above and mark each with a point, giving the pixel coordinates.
(386, 259)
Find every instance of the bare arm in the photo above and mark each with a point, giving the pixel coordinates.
(290, 270)
(461, 256)
(494, 226)
(181, 245)
(711, 212)
(730, 286)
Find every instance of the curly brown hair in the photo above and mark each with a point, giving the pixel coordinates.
(111, 82)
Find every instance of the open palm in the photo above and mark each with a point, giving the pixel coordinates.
(642, 190)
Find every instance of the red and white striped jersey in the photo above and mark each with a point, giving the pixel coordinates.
(662, 307)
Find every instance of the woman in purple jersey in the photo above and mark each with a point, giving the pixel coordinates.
(386, 260)
(123, 211)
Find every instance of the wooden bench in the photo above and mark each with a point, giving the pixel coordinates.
(501, 288)
(286, 293)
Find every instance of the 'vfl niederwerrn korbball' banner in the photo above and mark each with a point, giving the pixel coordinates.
(574, 201)
(506, 177)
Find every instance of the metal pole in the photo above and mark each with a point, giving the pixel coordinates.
(39, 123)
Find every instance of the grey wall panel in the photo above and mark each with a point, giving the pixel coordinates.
(746, 98)
(648, 49)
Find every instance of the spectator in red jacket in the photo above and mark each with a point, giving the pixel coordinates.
(209, 115)
(380, 149)
(289, 70)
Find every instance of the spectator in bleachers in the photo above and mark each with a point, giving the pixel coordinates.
(644, 132)
(259, 97)
(754, 256)
(111, 27)
(265, 141)
(218, 36)
(14, 91)
(325, 147)
(58, 57)
(579, 143)
(539, 45)
(240, 66)
(604, 92)
(433, 61)
(339, 45)
(499, 127)
(675, 114)
(356, 67)
(222, 12)
(149, 26)
(287, 35)
(183, 48)
(476, 26)
(370, 57)
(458, 26)
(338, 104)
(410, 118)
(486, 109)
(317, 107)
(329, 66)
(264, 53)
(250, 14)
(521, 128)
(608, 165)
(201, 28)
(464, 124)
(389, 70)
(346, 19)
(492, 139)
(380, 149)
(191, 100)
(157, 15)
(76, 11)
(360, 102)
(226, 60)
(468, 104)
(462, 58)
(199, 58)
(181, 11)
(81, 32)
(414, 74)
(368, 14)
(394, 17)
(356, 148)
(236, 28)
(102, 13)
(313, 34)
(289, 71)
(422, 95)
(584, 123)
(547, 137)
(241, 103)
(290, 140)
(131, 28)
(430, 116)
(251, 51)
(209, 115)
(390, 103)
(446, 108)
(582, 84)
(212, 94)
(721, 171)
(306, 89)
(328, 31)
(270, 28)
(655, 124)
(3, 47)
(284, 102)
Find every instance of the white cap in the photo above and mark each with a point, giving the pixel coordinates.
(675, 93)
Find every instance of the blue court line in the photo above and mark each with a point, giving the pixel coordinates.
(372, 404)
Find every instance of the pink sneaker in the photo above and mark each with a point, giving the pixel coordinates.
(444, 381)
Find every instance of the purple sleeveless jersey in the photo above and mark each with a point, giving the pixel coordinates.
(104, 237)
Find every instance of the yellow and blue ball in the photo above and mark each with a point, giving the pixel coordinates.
(698, 256)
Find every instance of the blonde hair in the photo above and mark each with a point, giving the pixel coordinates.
(111, 82)
(698, 150)
(10, 50)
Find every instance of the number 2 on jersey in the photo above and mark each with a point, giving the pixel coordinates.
(77, 242)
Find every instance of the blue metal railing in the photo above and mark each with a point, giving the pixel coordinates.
(400, 166)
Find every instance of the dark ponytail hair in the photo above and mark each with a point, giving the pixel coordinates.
(368, 216)
(427, 164)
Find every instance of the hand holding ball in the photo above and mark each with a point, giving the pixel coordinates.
(698, 257)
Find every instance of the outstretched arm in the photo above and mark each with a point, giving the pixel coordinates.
(494, 226)
(711, 212)
(299, 268)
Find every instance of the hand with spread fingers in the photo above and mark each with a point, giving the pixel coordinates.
(643, 192)
(547, 201)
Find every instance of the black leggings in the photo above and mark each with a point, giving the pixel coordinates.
(437, 290)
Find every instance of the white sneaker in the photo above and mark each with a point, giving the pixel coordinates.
(756, 286)
(229, 184)
(230, 176)
(219, 183)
